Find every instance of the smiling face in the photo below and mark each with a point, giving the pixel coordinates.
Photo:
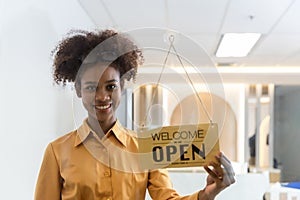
(100, 90)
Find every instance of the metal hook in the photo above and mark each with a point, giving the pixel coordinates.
(171, 38)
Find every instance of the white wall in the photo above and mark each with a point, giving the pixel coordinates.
(33, 111)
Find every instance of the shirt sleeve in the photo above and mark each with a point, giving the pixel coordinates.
(160, 187)
(48, 185)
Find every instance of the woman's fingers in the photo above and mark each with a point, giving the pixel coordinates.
(225, 174)
(218, 170)
(211, 172)
(229, 174)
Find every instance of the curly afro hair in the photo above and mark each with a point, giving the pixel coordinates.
(83, 48)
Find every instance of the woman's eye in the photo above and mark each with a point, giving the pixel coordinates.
(111, 87)
(91, 88)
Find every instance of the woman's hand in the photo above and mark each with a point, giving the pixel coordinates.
(220, 177)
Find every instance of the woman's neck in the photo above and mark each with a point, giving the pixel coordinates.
(100, 127)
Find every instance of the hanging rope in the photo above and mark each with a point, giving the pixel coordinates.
(156, 88)
(171, 39)
(191, 82)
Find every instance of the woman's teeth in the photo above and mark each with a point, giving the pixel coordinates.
(103, 107)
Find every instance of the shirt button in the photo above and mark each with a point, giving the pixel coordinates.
(106, 174)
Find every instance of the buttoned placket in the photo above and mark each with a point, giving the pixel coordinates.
(104, 171)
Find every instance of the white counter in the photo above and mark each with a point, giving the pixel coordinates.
(251, 186)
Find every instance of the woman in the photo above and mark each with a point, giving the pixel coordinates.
(99, 160)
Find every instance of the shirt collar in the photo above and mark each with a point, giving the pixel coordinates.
(120, 132)
(82, 133)
(117, 130)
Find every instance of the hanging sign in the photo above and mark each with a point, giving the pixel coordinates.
(178, 146)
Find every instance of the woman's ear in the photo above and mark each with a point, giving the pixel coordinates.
(78, 90)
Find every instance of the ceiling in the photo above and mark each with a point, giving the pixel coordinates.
(204, 22)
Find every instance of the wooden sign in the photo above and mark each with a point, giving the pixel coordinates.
(178, 146)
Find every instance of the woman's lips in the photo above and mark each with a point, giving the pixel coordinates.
(103, 107)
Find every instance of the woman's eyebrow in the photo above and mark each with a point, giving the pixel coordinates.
(96, 82)
(90, 82)
(111, 81)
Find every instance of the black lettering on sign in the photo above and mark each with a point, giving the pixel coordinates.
(157, 158)
(170, 150)
(198, 151)
(182, 135)
(160, 136)
(188, 134)
(183, 151)
(159, 153)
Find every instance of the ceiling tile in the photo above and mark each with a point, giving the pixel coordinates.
(265, 15)
(133, 14)
(290, 22)
(203, 22)
(194, 16)
(277, 45)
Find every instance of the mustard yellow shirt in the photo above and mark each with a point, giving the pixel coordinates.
(81, 166)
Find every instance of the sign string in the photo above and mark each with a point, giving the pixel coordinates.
(172, 39)
(156, 88)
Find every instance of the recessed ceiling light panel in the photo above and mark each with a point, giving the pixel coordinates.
(237, 44)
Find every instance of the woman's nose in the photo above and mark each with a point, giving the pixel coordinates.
(102, 95)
